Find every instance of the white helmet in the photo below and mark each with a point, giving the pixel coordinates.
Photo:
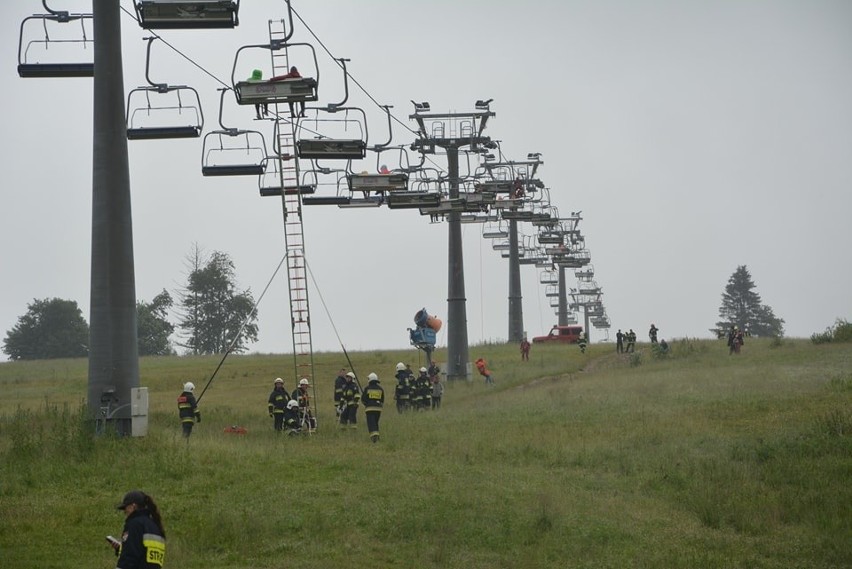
(189, 386)
(350, 374)
(424, 370)
(304, 381)
(400, 366)
(279, 380)
(292, 404)
(373, 377)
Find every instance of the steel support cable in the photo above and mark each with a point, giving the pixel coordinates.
(363, 90)
(242, 326)
(331, 321)
(201, 67)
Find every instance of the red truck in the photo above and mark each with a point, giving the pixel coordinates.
(561, 335)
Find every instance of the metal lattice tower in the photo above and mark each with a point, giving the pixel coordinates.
(291, 202)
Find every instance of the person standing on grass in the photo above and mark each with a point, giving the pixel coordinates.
(188, 409)
(631, 342)
(402, 392)
(424, 390)
(652, 333)
(374, 399)
(525, 350)
(278, 404)
(619, 342)
(582, 342)
(437, 392)
(339, 382)
(349, 403)
(143, 539)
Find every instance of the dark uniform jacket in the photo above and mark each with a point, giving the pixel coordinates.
(373, 397)
(351, 394)
(188, 408)
(339, 384)
(403, 386)
(142, 546)
(278, 400)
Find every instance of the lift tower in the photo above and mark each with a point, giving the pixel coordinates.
(113, 352)
(465, 129)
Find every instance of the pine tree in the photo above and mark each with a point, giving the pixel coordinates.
(213, 310)
(742, 307)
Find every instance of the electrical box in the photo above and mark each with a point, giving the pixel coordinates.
(139, 411)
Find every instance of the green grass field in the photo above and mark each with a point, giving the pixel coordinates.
(700, 460)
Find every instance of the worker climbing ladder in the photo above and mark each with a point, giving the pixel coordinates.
(291, 201)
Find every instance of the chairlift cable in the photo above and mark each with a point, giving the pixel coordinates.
(243, 325)
(333, 327)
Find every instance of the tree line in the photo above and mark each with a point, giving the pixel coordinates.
(210, 312)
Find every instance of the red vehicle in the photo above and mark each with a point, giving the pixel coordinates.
(561, 335)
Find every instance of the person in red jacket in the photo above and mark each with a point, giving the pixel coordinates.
(482, 366)
(292, 74)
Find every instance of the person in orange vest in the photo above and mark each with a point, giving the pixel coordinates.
(482, 366)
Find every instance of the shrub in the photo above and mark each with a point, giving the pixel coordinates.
(840, 332)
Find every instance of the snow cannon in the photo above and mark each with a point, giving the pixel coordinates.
(424, 320)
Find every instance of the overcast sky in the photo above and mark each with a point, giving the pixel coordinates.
(694, 136)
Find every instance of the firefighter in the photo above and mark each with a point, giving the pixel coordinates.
(424, 390)
(402, 392)
(278, 403)
(339, 382)
(292, 418)
(143, 539)
(374, 399)
(300, 394)
(350, 400)
(188, 409)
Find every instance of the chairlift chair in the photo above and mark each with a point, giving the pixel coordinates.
(158, 110)
(274, 91)
(328, 148)
(270, 182)
(238, 152)
(187, 14)
(59, 55)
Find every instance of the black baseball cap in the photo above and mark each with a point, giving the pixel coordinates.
(132, 497)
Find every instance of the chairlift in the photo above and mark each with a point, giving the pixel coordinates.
(50, 53)
(160, 111)
(549, 277)
(187, 14)
(271, 182)
(233, 152)
(551, 290)
(496, 230)
(278, 88)
(336, 148)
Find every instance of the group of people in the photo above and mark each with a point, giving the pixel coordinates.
(262, 109)
(625, 343)
(291, 412)
(417, 393)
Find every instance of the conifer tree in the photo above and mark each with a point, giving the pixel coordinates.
(742, 307)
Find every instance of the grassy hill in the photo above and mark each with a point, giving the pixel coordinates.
(698, 460)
